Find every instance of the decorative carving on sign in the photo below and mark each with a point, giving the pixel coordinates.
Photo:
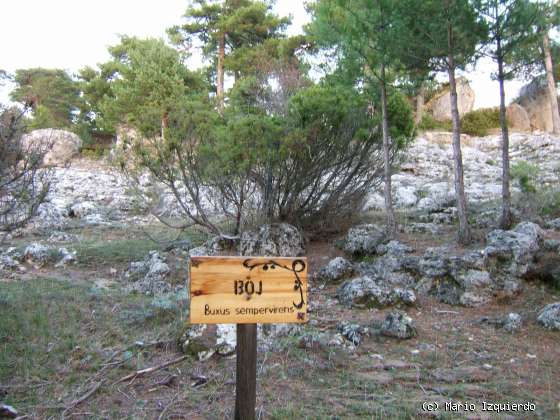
(297, 267)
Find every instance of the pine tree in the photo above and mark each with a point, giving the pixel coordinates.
(224, 28)
(444, 35)
(367, 32)
(511, 27)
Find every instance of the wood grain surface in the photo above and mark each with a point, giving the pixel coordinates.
(247, 290)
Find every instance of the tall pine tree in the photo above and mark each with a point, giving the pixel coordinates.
(444, 34)
(511, 27)
(222, 28)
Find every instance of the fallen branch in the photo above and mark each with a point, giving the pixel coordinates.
(84, 397)
(164, 411)
(447, 312)
(150, 370)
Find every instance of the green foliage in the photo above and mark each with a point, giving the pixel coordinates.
(514, 24)
(51, 94)
(401, 120)
(305, 158)
(430, 123)
(525, 174)
(243, 25)
(95, 87)
(480, 121)
(148, 81)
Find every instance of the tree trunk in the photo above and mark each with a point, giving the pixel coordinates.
(506, 219)
(390, 214)
(464, 230)
(420, 103)
(220, 71)
(164, 124)
(552, 93)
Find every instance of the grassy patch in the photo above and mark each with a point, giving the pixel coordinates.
(55, 334)
(114, 251)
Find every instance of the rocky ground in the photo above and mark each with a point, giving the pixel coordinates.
(397, 329)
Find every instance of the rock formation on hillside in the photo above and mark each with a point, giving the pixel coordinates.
(518, 118)
(65, 145)
(534, 98)
(440, 104)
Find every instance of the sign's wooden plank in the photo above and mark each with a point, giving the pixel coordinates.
(247, 290)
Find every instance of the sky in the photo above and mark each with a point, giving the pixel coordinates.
(71, 34)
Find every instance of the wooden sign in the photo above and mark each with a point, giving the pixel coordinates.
(248, 290)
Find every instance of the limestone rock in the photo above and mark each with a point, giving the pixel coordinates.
(512, 322)
(549, 317)
(394, 248)
(399, 325)
(514, 249)
(405, 196)
(553, 224)
(83, 209)
(363, 239)
(66, 257)
(58, 236)
(149, 275)
(424, 228)
(534, 98)
(38, 253)
(336, 270)
(198, 340)
(274, 240)
(215, 246)
(65, 145)
(518, 118)
(440, 105)
(352, 332)
(10, 260)
(365, 291)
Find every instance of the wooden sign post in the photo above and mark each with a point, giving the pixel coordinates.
(246, 291)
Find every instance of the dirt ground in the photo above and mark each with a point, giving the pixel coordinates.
(70, 337)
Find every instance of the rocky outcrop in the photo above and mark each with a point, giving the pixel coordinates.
(363, 239)
(36, 254)
(440, 104)
(471, 279)
(276, 240)
(398, 324)
(216, 246)
(62, 145)
(364, 291)
(336, 270)
(518, 118)
(549, 317)
(149, 276)
(534, 98)
(513, 251)
(426, 172)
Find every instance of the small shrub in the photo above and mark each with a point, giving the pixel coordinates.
(429, 123)
(525, 174)
(479, 122)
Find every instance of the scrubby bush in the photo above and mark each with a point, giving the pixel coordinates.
(23, 183)
(429, 123)
(525, 174)
(480, 122)
(310, 166)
